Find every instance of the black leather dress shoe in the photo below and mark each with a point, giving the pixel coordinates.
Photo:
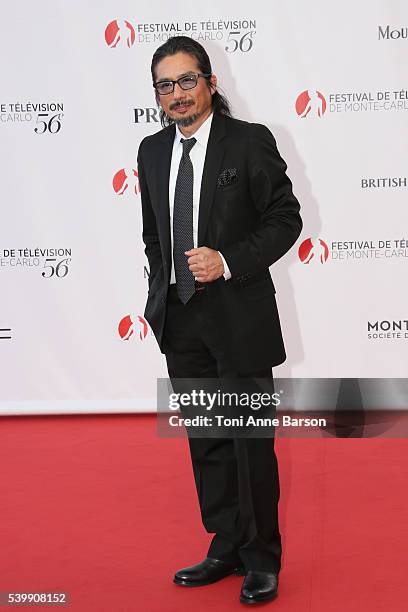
(258, 587)
(208, 571)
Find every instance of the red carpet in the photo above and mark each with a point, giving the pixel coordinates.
(99, 507)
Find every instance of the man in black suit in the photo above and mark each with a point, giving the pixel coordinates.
(218, 210)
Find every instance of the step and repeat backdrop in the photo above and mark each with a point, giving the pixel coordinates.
(329, 80)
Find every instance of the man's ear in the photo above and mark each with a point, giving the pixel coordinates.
(213, 84)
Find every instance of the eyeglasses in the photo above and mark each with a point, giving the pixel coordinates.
(185, 82)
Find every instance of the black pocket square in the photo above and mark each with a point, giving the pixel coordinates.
(227, 176)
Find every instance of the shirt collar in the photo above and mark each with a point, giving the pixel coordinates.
(201, 135)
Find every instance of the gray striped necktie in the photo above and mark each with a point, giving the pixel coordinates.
(183, 223)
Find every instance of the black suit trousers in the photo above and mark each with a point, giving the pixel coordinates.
(237, 479)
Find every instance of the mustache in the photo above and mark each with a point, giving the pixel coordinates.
(178, 103)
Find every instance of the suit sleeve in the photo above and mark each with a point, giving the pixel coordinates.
(271, 191)
(149, 234)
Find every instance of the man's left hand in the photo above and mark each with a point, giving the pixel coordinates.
(205, 264)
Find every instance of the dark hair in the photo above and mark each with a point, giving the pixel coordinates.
(185, 44)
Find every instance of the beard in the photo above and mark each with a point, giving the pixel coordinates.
(184, 121)
(187, 121)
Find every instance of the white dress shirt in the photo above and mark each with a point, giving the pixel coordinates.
(197, 156)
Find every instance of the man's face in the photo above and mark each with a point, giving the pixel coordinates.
(185, 107)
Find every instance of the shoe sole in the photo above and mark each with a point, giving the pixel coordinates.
(259, 600)
(235, 572)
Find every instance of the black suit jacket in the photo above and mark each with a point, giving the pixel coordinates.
(252, 221)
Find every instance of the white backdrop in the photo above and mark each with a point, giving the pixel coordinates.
(328, 79)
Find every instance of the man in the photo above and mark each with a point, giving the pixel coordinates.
(218, 210)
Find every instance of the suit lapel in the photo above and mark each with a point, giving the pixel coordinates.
(213, 160)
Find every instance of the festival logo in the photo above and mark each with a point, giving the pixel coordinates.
(126, 327)
(356, 251)
(47, 117)
(119, 32)
(236, 36)
(126, 180)
(315, 249)
(49, 262)
(310, 103)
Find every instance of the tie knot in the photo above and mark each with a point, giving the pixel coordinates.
(188, 144)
